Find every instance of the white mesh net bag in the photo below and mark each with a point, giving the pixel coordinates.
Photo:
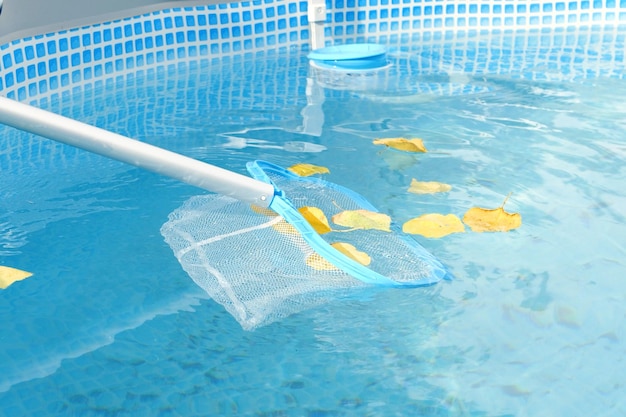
(263, 264)
(249, 261)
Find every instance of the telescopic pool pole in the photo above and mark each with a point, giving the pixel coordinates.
(152, 158)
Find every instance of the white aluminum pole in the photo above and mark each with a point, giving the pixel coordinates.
(152, 158)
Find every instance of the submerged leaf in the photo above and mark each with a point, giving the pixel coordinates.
(428, 187)
(318, 263)
(402, 144)
(281, 226)
(399, 161)
(263, 210)
(285, 228)
(492, 220)
(353, 253)
(316, 218)
(10, 275)
(434, 225)
(363, 219)
(305, 170)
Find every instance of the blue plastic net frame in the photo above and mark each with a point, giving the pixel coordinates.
(398, 260)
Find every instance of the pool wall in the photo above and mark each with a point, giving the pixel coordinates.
(54, 64)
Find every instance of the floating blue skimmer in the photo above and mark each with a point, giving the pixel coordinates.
(360, 56)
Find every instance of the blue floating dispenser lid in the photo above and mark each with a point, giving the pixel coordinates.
(353, 56)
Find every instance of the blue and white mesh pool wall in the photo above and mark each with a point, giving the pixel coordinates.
(51, 64)
(366, 18)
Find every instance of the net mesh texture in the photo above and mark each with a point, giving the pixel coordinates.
(396, 258)
(246, 261)
(260, 267)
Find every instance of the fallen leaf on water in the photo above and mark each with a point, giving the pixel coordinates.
(492, 220)
(428, 187)
(402, 144)
(10, 275)
(305, 170)
(318, 263)
(316, 218)
(434, 225)
(363, 219)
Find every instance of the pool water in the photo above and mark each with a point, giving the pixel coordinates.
(532, 325)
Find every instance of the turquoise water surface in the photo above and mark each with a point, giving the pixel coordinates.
(532, 325)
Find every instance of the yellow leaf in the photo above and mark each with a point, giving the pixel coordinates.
(402, 144)
(282, 226)
(305, 170)
(316, 218)
(352, 253)
(363, 219)
(428, 187)
(492, 220)
(434, 225)
(318, 263)
(285, 228)
(263, 210)
(9, 275)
